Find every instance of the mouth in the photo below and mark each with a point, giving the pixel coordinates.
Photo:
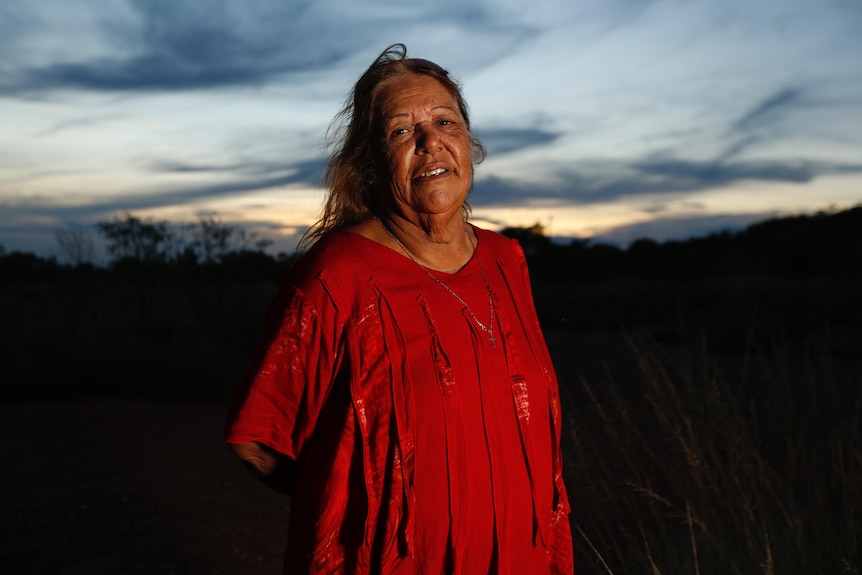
(430, 173)
(436, 172)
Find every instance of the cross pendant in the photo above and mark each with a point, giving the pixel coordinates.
(493, 340)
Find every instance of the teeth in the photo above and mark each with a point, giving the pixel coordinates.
(432, 173)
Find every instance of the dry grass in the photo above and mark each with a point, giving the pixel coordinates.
(702, 465)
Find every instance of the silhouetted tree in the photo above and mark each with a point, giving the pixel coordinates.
(214, 239)
(532, 239)
(76, 244)
(136, 247)
(130, 238)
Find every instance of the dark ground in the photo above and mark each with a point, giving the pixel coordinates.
(139, 487)
(130, 487)
(134, 486)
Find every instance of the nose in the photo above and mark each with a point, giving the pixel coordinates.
(427, 139)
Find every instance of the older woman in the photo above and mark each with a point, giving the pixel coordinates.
(403, 393)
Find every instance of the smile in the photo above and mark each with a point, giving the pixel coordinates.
(436, 172)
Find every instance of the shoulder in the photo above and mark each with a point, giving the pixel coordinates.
(509, 255)
(336, 253)
(334, 267)
(500, 246)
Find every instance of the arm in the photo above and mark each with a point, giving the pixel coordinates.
(269, 466)
(288, 380)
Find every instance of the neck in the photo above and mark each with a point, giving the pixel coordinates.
(445, 248)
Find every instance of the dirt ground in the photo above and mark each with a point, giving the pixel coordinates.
(130, 487)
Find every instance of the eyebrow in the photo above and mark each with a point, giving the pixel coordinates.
(434, 109)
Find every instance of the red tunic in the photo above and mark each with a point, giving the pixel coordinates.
(423, 445)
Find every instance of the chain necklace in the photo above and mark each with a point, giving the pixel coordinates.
(489, 329)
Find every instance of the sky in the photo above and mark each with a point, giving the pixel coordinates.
(604, 119)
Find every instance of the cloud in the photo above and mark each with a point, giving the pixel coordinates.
(605, 181)
(609, 99)
(309, 172)
(770, 110)
(499, 141)
(306, 173)
(688, 175)
(187, 45)
(89, 123)
(164, 45)
(764, 121)
(680, 228)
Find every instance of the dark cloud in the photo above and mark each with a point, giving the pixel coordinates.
(151, 72)
(308, 172)
(680, 228)
(583, 183)
(194, 44)
(35, 221)
(493, 191)
(766, 112)
(29, 224)
(187, 45)
(685, 175)
(763, 122)
(505, 140)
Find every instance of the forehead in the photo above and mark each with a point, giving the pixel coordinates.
(411, 93)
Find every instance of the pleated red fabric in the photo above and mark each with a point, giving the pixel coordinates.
(424, 445)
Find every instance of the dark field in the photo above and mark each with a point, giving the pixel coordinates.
(713, 420)
(130, 487)
(140, 483)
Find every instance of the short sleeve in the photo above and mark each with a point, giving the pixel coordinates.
(289, 378)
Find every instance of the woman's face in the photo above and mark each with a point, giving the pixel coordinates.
(426, 148)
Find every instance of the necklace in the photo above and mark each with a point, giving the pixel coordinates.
(489, 329)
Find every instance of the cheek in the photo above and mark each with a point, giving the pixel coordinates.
(386, 165)
(461, 149)
(399, 165)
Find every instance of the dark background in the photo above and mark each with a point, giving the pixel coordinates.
(115, 382)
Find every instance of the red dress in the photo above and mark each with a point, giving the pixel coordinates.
(424, 446)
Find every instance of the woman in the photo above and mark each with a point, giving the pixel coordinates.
(403, 393)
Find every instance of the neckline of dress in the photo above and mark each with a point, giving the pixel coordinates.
(472, 262)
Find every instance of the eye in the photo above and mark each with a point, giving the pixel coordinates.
(399, 131)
